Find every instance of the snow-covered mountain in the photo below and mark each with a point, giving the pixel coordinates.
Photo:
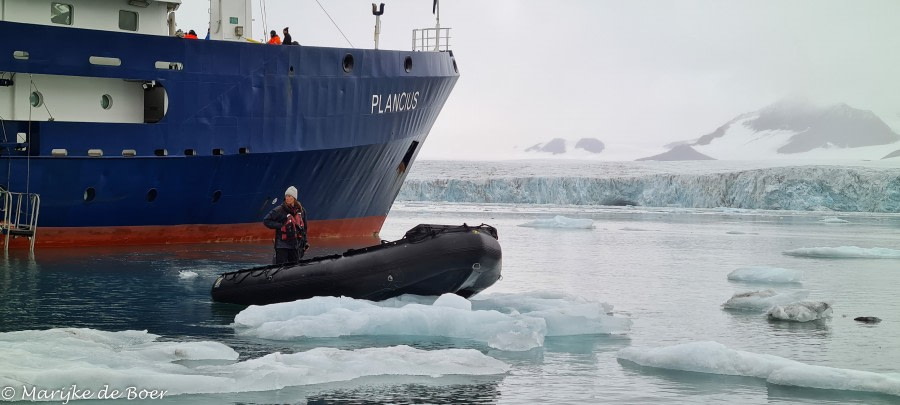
(560, 146)
(679, 152)
(796, 130)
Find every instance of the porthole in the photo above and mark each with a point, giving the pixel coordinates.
(190, 152)
(36, 98)
(89, 194)
(348, 63)
(216, 196)
(151, 195)
(218, 152)
(161, 152)
(407, 64)
(106, 101)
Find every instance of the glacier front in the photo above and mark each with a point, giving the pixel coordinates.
(659, 184)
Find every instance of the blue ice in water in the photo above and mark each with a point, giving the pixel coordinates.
(602, 315)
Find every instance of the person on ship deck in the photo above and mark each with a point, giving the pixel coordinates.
(289, 222)
(274, 38)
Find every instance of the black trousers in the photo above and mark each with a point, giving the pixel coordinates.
(286, 256)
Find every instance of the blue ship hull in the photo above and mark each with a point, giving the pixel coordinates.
(244, 121)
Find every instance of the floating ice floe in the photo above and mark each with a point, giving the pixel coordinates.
(833, 220)
(632, 229)
(763, 274)
(92, 359)
(560, 221)
(805, 311)
(515, 322)
(565, 314)
(762, 300)
(187, 275)
(715, 358)
(845, 252)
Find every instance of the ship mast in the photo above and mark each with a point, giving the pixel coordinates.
(436, 10)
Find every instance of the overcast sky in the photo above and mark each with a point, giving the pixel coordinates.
(635, 74)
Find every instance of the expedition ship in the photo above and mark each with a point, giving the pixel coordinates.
(116, 131)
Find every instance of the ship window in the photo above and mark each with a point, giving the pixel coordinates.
(216, 196)
(106, 101)
(161, 152)
(190, 152)
(407, 64)
(128, 20)
(89, 194)
(151, 195)
(61, 13)
(37, 99)
(407, 158)
(348, 63)
(244, 151)
(218, 152)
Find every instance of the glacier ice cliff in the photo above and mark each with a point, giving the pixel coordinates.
(803, 188)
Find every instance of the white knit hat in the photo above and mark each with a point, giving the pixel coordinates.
(291, 191)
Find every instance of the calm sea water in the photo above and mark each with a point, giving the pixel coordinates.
(665, 269)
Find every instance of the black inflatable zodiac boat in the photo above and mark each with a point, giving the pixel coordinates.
(428, 260)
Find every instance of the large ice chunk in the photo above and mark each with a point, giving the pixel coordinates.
(333, 317)
(565, 314)
(560, 221)
(513, 322)
(763, 299)
(715, 358)
(92, 359)
(845, 252)
(801, 311)
(764, 274)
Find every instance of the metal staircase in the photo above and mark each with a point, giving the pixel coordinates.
(19, 216)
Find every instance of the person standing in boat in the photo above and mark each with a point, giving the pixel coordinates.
(289, 222)
(287, 37)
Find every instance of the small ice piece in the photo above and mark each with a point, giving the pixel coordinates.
(560, 221)
(833, 220)
(801, 311)
(715, 358)
(187, 275)
(867, 319)
(763, 274)
(763, 299)
(845, 252)
(450, 300)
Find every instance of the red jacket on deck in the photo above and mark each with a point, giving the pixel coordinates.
(276, 40)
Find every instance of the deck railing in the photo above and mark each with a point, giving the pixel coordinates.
(431, 39)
